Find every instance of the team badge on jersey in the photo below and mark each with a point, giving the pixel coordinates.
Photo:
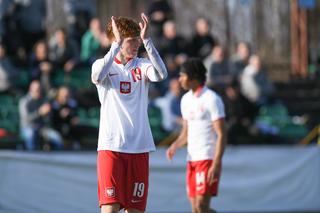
(110, 192)
(125, 87)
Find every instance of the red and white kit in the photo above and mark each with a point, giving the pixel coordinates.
(201, 109)
(124, 123)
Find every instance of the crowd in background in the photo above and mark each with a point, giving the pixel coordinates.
(49, 109)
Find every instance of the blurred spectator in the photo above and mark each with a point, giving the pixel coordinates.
(63, 52)
(32, 21)
(10, 31)
(65, 119)
(79, 14)
(35, 119)
(159, 11)
(240, 59)
(255, 84)
(240, 114)
(218, 72)
(202, 41)
(155, 116)
(8, 71)
(41, 67)
(104, 47)
(172, 44)
(170, 107)
(172, 47)
(90, 42)
(6, 11)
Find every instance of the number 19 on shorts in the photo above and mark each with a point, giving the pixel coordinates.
(138, 190)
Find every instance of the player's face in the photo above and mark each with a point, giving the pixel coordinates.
(184, 81)
(130, 47)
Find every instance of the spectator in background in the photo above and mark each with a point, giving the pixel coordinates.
(202, 41)
(8, 71)
(172, 47)
(255, 84)
(35, 119)
(79, 14)
(159, 12)
(240, 114)
(11, 34)
(41, 67)
(172, 44)
(32, 22)
(218, 73)
(240, 59)
(91, 42)
(63, 52)
(64, 116)
(155, 116)
(104, 47)
(170, 107)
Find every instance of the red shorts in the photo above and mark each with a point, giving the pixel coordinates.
(123, 178)
(197, 183)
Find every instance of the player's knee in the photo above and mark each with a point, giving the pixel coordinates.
(110, 208)
(133, 211)
(202, 207)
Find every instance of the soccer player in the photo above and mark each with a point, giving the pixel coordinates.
(203, 130)
(122, 80)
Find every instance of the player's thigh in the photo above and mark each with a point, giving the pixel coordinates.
(110, 208)
(111, 178)
(137, 182)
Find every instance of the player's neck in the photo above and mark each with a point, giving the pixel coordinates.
(196, 86)
(122, 59)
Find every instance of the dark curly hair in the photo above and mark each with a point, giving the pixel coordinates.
(126, 26)
(194, 69)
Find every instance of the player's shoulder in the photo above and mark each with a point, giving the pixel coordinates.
(186, 96)
(211, 94)
(97, 63)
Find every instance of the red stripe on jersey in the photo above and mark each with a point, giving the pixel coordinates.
(117, 60)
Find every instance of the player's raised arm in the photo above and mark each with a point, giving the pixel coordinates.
(101, 67)
(159, 72)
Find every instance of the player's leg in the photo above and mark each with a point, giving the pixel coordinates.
(111, 181)
(203, 204)
(193, 204)
(133, 211)
(137, 182)
(110, 208)
(204, 190)
(191, 186)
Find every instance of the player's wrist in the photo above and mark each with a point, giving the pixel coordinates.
(119, 41)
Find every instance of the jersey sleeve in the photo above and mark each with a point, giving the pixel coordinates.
(101, 67)
(157, 70)
(216, 108)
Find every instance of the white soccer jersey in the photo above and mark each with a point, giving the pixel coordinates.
(200, 109)
(123, 94)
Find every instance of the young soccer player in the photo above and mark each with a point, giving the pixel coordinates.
(203, 130)
(122, 80)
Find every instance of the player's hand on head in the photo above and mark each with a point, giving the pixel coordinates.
(144, 26)
(115, 30)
